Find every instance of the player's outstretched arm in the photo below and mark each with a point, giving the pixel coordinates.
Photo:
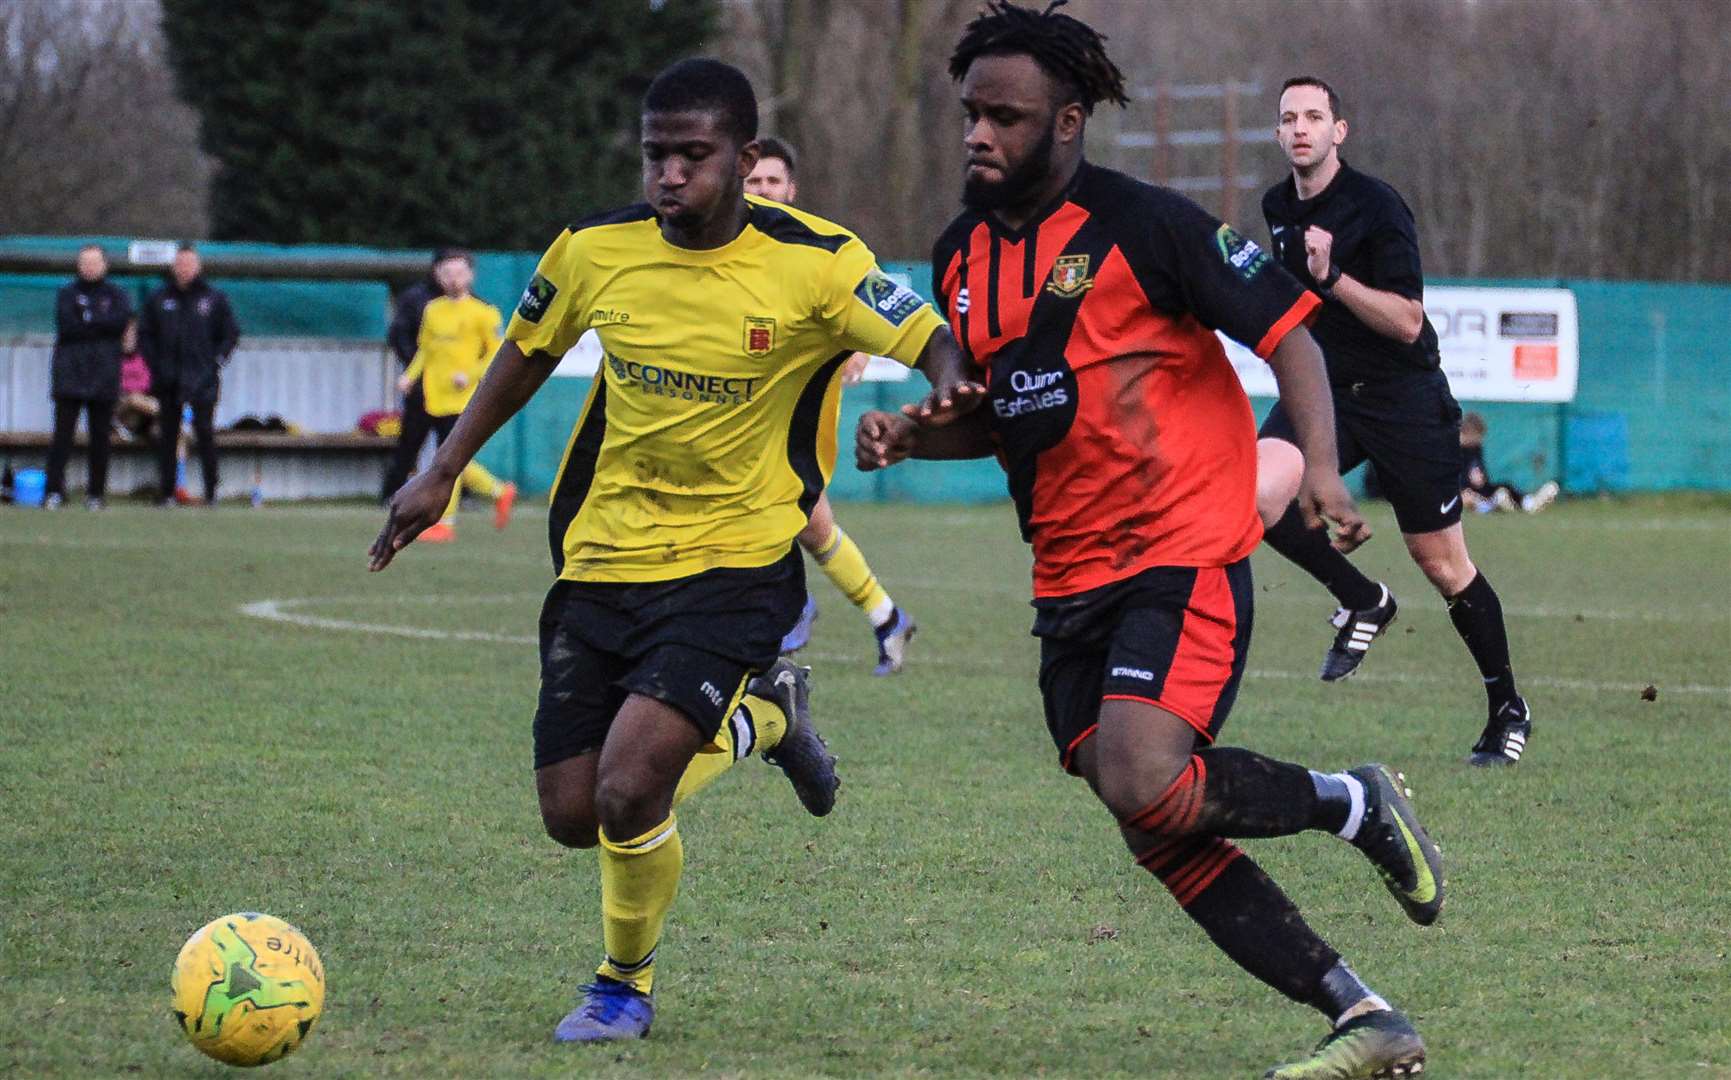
(956, 387)
(1304, 394)
(509, 383)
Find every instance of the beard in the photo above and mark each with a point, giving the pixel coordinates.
(1020, 183)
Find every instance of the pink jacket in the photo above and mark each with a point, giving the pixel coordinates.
(134, 374)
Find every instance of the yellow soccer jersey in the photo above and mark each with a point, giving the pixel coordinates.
(711, 428)
(457, 342)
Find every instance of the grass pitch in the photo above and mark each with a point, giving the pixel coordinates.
(208, 712)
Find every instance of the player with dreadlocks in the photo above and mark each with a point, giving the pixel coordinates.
(1090, 300)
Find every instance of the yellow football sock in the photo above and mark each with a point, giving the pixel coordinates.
(841, 559)
(756, 724)
(639, 879)
(476, 479)
(483, 483)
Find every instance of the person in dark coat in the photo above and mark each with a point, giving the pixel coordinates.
(187, 334)
(404, 337)
(91, 315)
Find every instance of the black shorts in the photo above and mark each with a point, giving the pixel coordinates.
(1175, 637)
(691, 643)
(1410, 430)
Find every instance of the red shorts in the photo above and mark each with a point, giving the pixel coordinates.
(1175, 637)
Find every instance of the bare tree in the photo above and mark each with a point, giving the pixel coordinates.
(92, 137)
(860, 90)
(1533, 138)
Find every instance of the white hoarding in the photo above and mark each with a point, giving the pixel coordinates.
(1496, 345)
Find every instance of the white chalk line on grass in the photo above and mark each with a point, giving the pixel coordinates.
(285, 611)
(989, 516)
(1703, 612)
(1692, 614)
(1318, 599)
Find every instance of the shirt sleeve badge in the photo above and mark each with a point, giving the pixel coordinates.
(1240, 252)
(537, 298)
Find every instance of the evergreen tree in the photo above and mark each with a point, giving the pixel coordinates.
(441, 121)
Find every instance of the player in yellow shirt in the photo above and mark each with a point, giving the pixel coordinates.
(459, 335)
(834, 551)
(706, 441)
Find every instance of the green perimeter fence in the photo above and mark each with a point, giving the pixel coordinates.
(1653, 410)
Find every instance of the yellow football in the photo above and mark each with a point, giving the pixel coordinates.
(248, 988)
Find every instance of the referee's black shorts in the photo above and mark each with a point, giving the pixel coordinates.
(692, 643)
(1409, 429)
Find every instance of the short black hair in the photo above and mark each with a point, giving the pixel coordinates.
(700, 84)
(449, 251)
(1067, 48)
(771, 147)
(186, 245)
(1312, 80)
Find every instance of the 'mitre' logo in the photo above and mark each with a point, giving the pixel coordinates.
(1070, 276)
(759, 335)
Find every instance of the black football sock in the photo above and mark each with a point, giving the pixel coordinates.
(1340, 803)
(1228, 791)
(1478, 618)
(1311, 551)
(1246, 915)
(1340, 991)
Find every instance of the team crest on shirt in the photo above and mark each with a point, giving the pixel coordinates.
(1240, 252)
(1070, 276)
(759, 335)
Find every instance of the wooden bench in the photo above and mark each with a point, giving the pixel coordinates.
(225, 440)
(284, 466)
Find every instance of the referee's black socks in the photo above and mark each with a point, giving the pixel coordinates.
(1311, 550)
(1478, 618)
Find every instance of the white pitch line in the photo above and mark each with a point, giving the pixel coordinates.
(1696, 614)
(280, 611)
(283, 611)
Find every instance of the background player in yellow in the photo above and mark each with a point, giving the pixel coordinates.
(705, 443)
(774, 177)
(459, 334)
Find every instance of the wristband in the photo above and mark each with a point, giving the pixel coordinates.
(1326, 285)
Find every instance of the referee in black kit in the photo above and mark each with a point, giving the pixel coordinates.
(1352, 237)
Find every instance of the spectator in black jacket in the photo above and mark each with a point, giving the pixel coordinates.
(187, 334)
(404, 338)
(90, 317)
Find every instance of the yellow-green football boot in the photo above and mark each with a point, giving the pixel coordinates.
(1378, 1045)
(1391, 837)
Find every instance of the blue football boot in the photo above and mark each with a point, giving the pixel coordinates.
(893, 638)
(611, 1010)
(800, 636)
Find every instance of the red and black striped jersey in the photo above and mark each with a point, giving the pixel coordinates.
(1125, 434)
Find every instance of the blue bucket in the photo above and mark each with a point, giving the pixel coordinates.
(28, 486)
